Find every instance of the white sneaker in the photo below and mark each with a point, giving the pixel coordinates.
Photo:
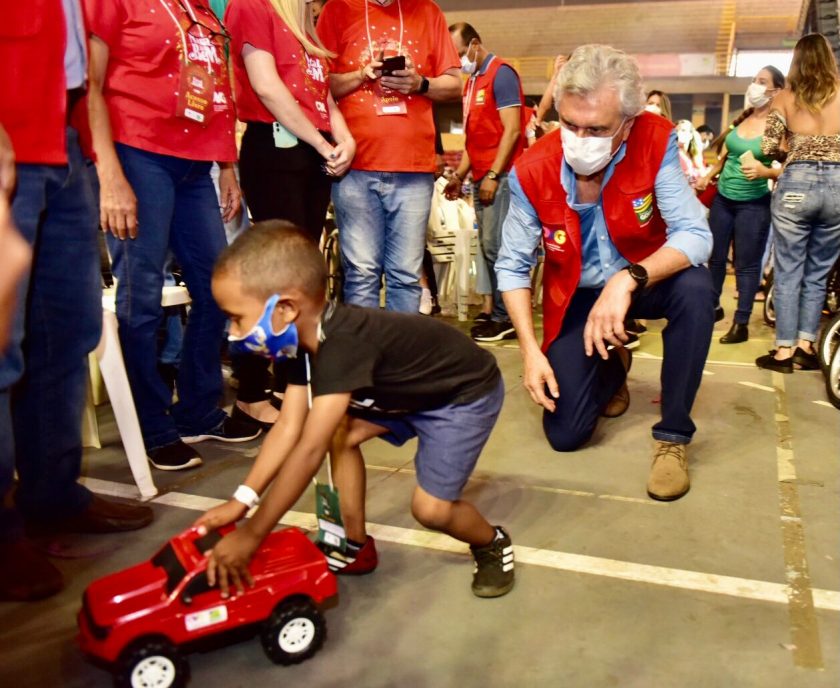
(426, 302)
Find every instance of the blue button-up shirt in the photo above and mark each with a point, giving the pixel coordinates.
(75, 55)
(687, 228)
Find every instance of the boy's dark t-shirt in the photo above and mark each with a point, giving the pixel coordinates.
(395, 363)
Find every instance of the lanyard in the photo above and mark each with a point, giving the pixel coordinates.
(470, 88)
(367, 26)
(185, 5)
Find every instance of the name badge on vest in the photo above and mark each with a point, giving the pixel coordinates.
(389, 102)
(195, 95)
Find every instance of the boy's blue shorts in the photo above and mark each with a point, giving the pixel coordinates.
(450, 440)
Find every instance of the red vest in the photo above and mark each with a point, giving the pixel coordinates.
(484, 127)
(628, 201)
(33, 109)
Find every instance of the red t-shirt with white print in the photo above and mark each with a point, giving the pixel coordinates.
(388, 143)
(147, 42)
(256, 23)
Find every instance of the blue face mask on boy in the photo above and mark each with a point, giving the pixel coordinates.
(263, 340)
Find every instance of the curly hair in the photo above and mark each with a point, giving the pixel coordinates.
(813, 75)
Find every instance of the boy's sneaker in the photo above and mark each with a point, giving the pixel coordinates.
(493, 574)
(229, 430)
(174, 457)
(356, 561)
(493, 331)
(482, 318)
(426, 302)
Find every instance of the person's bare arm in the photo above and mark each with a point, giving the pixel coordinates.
(443, 88)
(346, 82)
(117, 202)
(713, 172)
(8, 173)
(345, 148)
(512, 122)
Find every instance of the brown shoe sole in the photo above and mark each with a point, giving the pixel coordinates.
(672, 498)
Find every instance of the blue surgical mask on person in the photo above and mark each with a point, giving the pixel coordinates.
(263, 340)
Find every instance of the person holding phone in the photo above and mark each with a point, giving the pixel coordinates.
(295, 144)
(382, 204)
(740, 211)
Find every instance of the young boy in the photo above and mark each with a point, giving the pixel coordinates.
(373, 374)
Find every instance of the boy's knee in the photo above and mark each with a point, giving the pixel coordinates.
(431, 512)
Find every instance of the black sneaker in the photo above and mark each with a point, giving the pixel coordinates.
(174, 457)
(632, 341)
(493, 574)
(492, 331)
(632, 326)
(482, 318)
(230, 430)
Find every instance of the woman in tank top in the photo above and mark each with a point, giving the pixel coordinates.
(805, 120)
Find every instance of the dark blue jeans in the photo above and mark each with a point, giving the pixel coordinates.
(748, 224)
(587, 383)
(177, 209)
(57, 323)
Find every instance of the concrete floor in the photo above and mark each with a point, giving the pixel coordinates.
(723, 588)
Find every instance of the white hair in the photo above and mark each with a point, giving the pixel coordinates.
(594, 66)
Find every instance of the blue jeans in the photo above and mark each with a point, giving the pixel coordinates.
(57, 322)
(587, 383)
(806, 223)
(382, 218)
(490, 220)
(177, 209)
(748, 223)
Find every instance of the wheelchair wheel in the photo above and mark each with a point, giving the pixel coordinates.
(829, 342)
(832, 379)
(769, 305)
(335, 274)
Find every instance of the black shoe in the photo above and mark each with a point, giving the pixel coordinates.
(230, 430)
(632, 341)
(804, 360)
(26, 574)
(174, 457)
(493, 574)
(482, 318)
(769, 362)
(634, 326)
(718, 314)
(240, 416)
(493, 331)
(108, 516)
(737, 333)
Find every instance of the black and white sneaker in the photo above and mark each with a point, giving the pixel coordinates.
(632, 341)
(174, 457)
(493, 331)
(229, 430)
(493, 573)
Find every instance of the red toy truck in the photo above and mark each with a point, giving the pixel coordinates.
(139, 621)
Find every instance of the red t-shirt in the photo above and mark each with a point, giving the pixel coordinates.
(256, 23)
(388, 143)
(146, 41)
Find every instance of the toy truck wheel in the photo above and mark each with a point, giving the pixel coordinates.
(153, 663)
(294, 632)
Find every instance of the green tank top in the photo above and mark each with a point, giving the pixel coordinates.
(732, 183)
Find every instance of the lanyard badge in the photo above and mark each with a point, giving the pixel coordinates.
(386, 101)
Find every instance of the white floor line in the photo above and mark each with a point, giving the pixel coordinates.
(823, 403)
(733, 364)
(743, 588)
(763, 388)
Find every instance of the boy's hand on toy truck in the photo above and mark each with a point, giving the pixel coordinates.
(228, 561)
(219, 516)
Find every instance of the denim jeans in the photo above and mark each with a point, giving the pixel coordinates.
(490, 219)
(748, 224)
(382, 218)
(57, 322)
(587, 383)
(177, 209)
(806, 223)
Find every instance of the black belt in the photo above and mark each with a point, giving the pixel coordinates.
(74, 95)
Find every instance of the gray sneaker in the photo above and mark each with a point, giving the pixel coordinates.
(493, 574)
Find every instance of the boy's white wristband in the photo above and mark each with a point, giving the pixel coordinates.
(245, 495)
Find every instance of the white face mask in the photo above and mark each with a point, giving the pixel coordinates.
(590, 154)
(655, 109)
(468, 66)
(756, 95)
(684, 137)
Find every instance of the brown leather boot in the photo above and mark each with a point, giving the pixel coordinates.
(621, 399)
(668, 478)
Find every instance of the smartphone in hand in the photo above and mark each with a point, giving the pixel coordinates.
(392, 64)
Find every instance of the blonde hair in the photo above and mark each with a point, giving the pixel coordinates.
(813, 76)
(298, 17)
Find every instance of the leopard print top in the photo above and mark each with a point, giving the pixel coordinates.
(818, 148)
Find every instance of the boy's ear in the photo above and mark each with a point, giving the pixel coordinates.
(285, 311)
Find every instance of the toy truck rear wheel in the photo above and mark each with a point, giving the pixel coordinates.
(294, 632)
(151, 663)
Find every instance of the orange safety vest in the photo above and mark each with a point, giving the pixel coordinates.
(632, 216)
(483, 125)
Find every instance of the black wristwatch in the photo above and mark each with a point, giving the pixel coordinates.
(492, 175)
(639, 274)
(424, 86)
